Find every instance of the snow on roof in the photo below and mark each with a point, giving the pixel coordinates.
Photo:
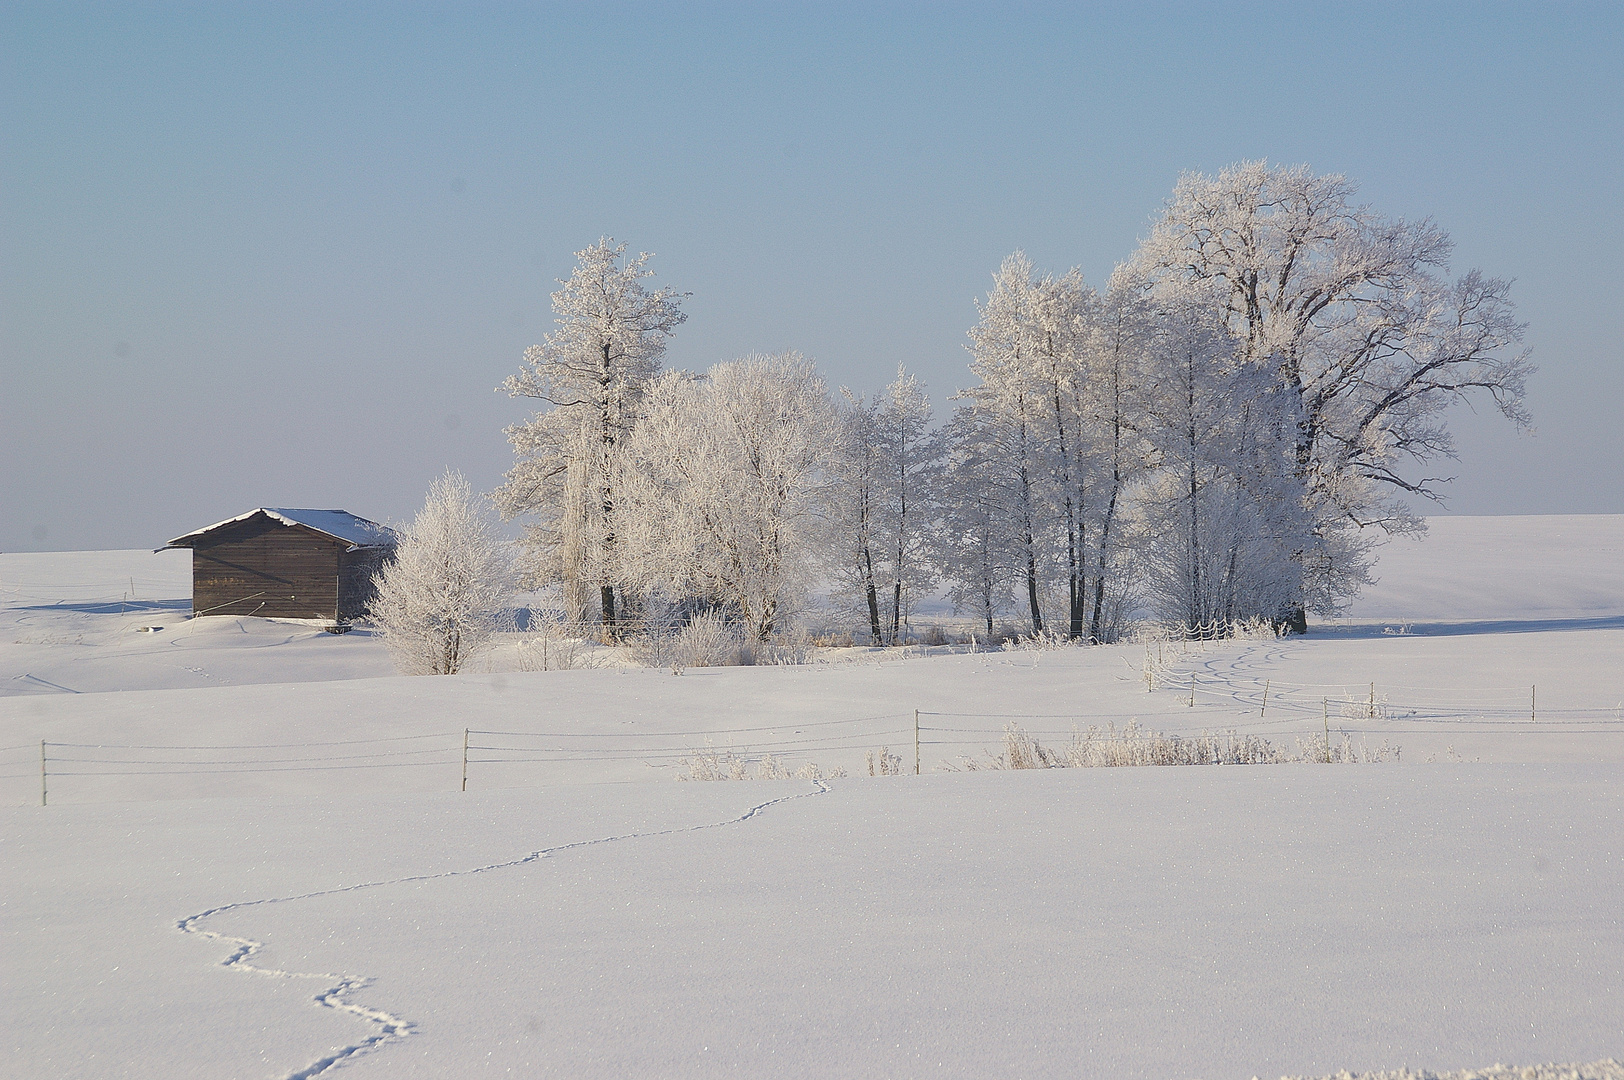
(358, 532)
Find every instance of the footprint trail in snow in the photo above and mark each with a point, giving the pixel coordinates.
(387, 1027)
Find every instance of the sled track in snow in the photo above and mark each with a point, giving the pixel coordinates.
(389, 1028)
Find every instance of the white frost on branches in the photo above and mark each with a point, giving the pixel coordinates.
(448, 588)
(1220, 434)
(882, 508)
(719, 492)
(592, 373)
(1348, 313)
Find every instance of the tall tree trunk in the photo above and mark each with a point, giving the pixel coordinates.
(1032, 589)
(876, 634)
(606, 590)
(1074, 577)
(1102, 568)
(865, 567)
(902, 533)
(1075, 593)
(1028, 536)
(606, 494)
(865, 561)
(1102, 565)
(1192, 448)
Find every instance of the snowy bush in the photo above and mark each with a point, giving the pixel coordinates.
(1372, 708)
(1134, 746)
(1039, 641)
(1107, 747)
(713, 764)
(447, 591)
(1320, 748)
(790, 647)
(709, 640)
(885, 763)
(551, 645)
(1255, 628)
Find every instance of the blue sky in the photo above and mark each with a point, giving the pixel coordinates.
(283, 254)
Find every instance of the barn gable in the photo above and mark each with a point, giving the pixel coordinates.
(286, 563)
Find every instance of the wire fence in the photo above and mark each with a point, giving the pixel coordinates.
(461, 754)
(1503, 708)
(525, 747)
(1217, 706)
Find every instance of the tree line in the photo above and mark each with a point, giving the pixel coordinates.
(1221, 432)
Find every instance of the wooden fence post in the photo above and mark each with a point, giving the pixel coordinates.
(1325, 716)
(465, 759)
(916, 742)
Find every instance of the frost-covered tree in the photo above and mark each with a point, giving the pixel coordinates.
(1223, 515)
(853, 549)
(1020, 350)
(881, 506)
(592, 374)
(1350, 313)
(1056, 362)
(1008, 459)
(909, 457)
(722, 484)
(448, 588)
(1122, 328)
(976, 548)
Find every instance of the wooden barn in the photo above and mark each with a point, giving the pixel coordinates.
(287, 564)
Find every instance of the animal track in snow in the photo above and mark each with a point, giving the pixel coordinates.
(389, 1028)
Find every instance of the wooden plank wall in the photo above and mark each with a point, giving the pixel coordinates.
(261, 567)
(355, 589)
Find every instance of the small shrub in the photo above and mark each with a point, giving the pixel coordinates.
(713, 764)
(708, 640)
(885, 763)
(1371, 708)
(1021, 751)
(790, 647)
(1316, 748)
(1040, 641)
(1256, 628)
(549, 646)
(1134, 746)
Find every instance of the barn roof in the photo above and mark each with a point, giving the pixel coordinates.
(341, 525)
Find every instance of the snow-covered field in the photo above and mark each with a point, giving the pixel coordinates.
(257, 857)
